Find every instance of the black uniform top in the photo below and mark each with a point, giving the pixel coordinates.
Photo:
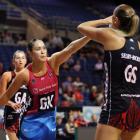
(20, 96)
(122, 77)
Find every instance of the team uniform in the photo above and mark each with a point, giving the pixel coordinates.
(122, 87)
(12, 117)
(39, 122)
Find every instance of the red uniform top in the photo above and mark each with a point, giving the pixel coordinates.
(43, 90)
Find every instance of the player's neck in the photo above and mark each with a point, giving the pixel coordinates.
(120, 33)
(39, 68)
(17, 70)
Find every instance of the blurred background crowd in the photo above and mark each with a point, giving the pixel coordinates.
(55, 22)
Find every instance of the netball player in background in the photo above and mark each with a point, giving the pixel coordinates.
(121, 110)
(39, 123)
(11, 116)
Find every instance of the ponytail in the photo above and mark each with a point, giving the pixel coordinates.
(134, 25)
(129, 20)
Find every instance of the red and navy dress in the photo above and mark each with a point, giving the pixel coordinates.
(122, 87)
(39, 122)
(12, 117)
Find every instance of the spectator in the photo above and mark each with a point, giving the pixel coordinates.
(57, 41)
(2, 131)
(93, 122)
(79, 121)
(70, 128)
(60, 129)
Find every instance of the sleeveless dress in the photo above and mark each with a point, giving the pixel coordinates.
(39, 122)
(122, 87)
(12, 117)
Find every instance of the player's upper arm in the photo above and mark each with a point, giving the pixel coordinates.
(20, 79)
(5, 79)
(101, 35)
(53, 62)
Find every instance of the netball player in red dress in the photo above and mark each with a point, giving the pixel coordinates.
(40, 76)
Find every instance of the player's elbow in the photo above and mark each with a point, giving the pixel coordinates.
(82, 29)
(79, 27)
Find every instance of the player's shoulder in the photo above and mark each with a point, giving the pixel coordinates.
(7, 74)
(24, 72)
(23, 75)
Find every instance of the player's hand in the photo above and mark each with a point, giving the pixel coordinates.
(16, 106)
(108, 19)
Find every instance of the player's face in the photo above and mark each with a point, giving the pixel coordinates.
(19, 60)
(39, 51)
